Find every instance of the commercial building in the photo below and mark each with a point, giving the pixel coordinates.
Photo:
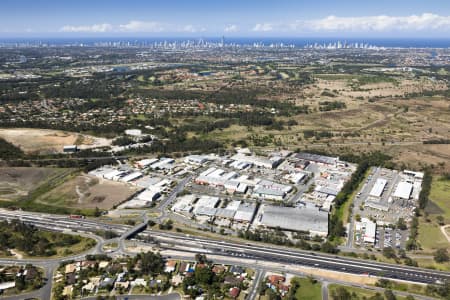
(367, 229)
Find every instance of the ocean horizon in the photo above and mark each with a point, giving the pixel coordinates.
(298, 42)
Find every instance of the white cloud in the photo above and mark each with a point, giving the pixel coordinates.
(426, 21)
(231, 28)
(264, 27)
(192, 29)
(141, 26)
(105, 27)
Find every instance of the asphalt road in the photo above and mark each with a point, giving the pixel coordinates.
(173, 296)
(283, 254)
(260, 274)
(271, 253)
(226, 249)
(324, 290)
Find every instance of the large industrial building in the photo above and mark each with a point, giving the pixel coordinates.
(403, 190)
(305, 218)
(378, 187)
(258, 161)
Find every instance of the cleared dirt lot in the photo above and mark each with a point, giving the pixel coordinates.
(49, 141)
(18, 182)
(85, 191)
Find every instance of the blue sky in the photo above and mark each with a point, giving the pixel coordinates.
(240, 18)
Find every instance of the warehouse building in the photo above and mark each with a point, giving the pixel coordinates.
(259, 161)
(149, 195)
(403, 190)
(245, 212)
(70, 149)
(206, 205)
(270, 194)
(163, 163)
(415, 175)
(197, 160)
(141, 164)
(184, 204)
(317, 158)
(305, 218)
(378, 187)
(132, 176)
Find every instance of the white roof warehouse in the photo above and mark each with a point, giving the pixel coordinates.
(306, 218)
(403, 190)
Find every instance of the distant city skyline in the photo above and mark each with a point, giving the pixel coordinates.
(251, 18)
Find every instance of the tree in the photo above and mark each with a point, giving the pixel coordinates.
(151, 263)
(377, 296)
(389, 295)
(402, 253)
(384, 283)
(441, 255)
(201, 258)
(401, 224)
(203, 275)
(328, 247)
(389, 252)
(340, 293)
(97, 212)
(312, 279)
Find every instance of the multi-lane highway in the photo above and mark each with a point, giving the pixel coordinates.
(169, 240)
(291, 256)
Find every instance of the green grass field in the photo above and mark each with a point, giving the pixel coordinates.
(360, 293)
(408, 287)
(308, 290)
(440, 195)
(429, 263)
(83, 245)
(431, 237)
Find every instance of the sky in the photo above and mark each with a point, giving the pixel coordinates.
(233, 18)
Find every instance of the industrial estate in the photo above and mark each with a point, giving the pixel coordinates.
(224, 168)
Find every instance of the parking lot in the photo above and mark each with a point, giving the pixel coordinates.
(388, 237)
